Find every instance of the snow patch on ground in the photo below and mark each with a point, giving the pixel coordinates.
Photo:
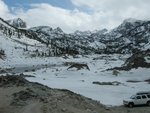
(81, 81)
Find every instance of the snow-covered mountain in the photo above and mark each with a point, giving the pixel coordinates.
(19, 23)
(76, 43)
(131, 36)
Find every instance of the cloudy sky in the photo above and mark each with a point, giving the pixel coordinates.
(73, 15)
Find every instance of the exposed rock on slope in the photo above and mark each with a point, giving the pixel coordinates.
(2, 54)
(139, 59)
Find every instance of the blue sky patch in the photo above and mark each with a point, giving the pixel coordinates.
(66, 4)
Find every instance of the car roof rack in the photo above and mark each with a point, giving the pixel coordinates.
(143, 92)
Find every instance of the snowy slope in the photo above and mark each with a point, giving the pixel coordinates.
(18, 47)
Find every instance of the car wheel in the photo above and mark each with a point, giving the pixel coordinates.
(148, 103)
(130, 105)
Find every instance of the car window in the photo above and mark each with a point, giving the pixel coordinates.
(132, 97)
(148, 96)
(138, 97)
(143, 97)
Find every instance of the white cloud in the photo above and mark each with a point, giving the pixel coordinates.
(114, 5)
(4, 11)
(45, 14)
(115, 11)
(105, 13)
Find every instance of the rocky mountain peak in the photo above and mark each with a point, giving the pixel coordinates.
(17, 22)
(130, 23)
(130, 20)
(59, 30)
